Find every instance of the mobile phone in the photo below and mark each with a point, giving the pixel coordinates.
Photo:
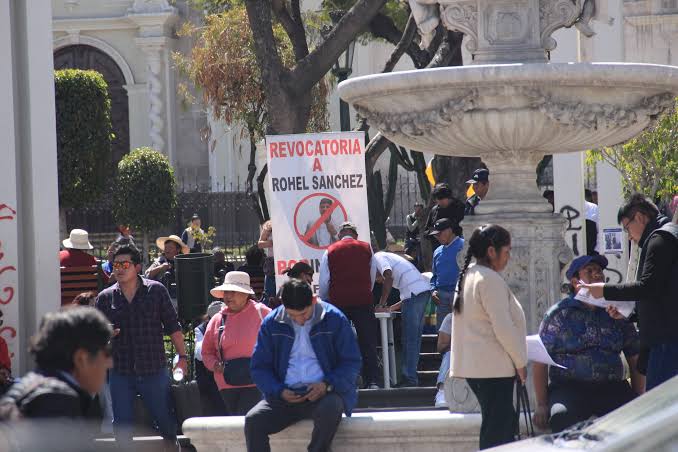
(301, 390)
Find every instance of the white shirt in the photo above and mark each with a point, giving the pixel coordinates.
(197, 351)
(324, 277)
(406, 278)
(322, 236)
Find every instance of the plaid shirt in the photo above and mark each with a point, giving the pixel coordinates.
(139, 348)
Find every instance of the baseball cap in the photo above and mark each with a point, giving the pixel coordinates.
(348, 225)
(583, 261)
(479, 175)
(441, 225)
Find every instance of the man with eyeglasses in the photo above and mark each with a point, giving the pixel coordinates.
(142, 312)
(655, 288)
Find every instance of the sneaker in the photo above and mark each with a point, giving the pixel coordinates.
(372, 386)
(440, 401)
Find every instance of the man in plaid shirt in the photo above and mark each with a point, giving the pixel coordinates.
(141, 313)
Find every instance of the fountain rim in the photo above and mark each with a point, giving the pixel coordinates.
(610, 75)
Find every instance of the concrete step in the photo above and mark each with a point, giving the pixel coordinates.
(429, 361)
(427, 378)
(396, 397)
(143, 444)
(429, 343)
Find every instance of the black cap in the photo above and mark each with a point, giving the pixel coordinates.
(441, 225)
(441, 191)
(195, 217)
(479, 175)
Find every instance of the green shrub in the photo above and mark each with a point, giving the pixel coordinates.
(145, 191)
(83, 126)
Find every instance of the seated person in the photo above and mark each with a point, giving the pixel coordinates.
(588, 342)
(306, 362)
(74, 255)
(162, 268)
(221, 266)
(254, 259)
(444, 347)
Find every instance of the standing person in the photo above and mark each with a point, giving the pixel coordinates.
(488, 334)
(107, 265)
(347, 274)
(591, 213)
(415, 226)
(446, 206)
(445, 268)
(306, 362)
(142, 312)
(444, 346)
(188, 236)
(656, 288)
(211, 401)
(415, 293)
(254, 260)
(268, 266)
(481, 185)
(74, 254)
(231, 334)
(124, 234)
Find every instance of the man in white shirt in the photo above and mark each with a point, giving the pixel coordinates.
(326, 234)
(415, 293)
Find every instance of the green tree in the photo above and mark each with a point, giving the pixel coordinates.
(649, 162)
(83, 129)
(145, 197)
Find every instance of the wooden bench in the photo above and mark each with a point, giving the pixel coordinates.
(76, 280)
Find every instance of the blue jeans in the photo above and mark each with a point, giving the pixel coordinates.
(444, 369)
(444, 308)
(412, 327)
(156, 396)
(269, 287)
(662, 364)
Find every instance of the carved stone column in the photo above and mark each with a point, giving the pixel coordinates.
(156, 19)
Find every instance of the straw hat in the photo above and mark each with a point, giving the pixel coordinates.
(78, 239)
(233, 282)
(160, 243)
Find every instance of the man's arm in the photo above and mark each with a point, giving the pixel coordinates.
(540, 379)
(155, 269)
(324, 279)
(261, 365)
(386, 286)
(444, 342)
(412, 223)
(343, 376)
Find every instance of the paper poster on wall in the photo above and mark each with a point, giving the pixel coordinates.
(612, 241)
(316, 182)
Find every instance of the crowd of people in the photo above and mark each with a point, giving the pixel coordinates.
(280, 357)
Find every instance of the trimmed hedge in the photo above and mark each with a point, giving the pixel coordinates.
(145, 192)
(84, 133)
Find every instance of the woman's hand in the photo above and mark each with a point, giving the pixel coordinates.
(541, 416)
(219, 368)
(522, 374)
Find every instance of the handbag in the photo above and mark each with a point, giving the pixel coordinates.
(523, 404)
(237, 370)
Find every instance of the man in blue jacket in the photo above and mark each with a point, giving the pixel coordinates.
(306, 362)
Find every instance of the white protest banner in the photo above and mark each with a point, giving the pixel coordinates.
(316, 182)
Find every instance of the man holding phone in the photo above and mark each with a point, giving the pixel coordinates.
(306, 363)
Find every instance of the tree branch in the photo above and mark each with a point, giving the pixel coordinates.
(294, 29)
(407, 38)
(314, 66)
(382, 26)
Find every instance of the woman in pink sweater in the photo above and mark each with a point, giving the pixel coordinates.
(231, 334)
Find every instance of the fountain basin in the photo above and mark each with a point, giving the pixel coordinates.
(511, 110)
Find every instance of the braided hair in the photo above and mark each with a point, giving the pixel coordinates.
(489, 235)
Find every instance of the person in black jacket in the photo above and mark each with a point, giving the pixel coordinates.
(447, 206)
(72, 353)
(656, 288)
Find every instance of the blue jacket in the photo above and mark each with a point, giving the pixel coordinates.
(334, 344)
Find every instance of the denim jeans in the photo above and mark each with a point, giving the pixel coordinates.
(444, 369)
(412, 327)
(662, 364)
(156, 396)
(444, 307)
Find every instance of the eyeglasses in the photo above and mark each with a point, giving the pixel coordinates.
(626, 226)
(117, 265)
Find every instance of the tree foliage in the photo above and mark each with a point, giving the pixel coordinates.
(649, 162)
(83, 122)
(145, 197)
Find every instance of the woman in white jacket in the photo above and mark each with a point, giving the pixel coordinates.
(488, 335)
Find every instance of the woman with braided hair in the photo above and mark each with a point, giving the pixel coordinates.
(488, 334)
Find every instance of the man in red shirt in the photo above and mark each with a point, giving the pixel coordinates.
(72, 255)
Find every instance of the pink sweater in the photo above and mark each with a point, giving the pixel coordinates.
(238, 339)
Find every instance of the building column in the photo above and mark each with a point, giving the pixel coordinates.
(153, 51)
(29, 205)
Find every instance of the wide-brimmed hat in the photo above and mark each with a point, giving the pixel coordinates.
(78, 239)
(160, 243)
(233, 282)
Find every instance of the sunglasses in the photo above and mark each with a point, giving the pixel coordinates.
(122, 265)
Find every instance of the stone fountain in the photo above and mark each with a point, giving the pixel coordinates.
(510, 107)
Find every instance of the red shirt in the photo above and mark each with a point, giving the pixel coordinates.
(4, 355)
(75, 258)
